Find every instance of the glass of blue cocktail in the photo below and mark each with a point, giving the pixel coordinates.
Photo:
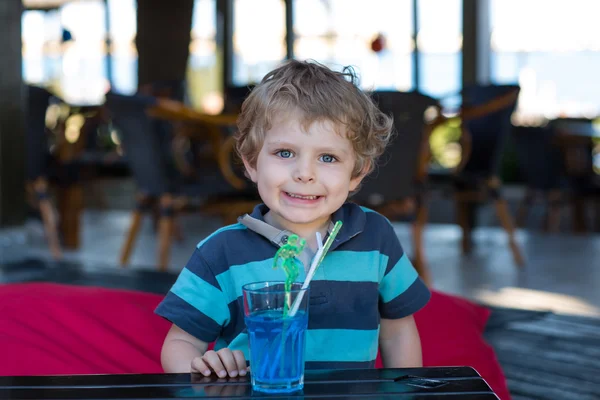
(276, 320)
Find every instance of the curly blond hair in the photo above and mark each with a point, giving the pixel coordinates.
(320, 94)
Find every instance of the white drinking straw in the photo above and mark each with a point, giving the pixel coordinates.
(319, 240)
(318, 258)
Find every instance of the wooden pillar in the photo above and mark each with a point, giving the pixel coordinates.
(476, 42)
(12, 114)
(289, 29)
(225, 38)
(163, 39)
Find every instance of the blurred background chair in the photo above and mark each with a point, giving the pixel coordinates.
(74, 153)
(397, 188)
(540, 164)
(485, 125)
(159, 183)
(577, 139)
(38, 165)
(234, 97)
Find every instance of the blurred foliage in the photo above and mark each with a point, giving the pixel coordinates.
(446, 151)
(445, 148)
(596, 147)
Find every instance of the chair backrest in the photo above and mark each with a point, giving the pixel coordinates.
(394, 178)
(37, 142)
(142, 144)
(234, 97)
(538, 157)
(489, 130)
(577, 151)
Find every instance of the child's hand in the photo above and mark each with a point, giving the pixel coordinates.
(223, 362)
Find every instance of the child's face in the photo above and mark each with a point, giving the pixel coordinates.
(304, 176)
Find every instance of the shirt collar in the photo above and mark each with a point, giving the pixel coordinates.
(352, 216)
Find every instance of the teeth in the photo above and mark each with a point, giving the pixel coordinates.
(297, 196)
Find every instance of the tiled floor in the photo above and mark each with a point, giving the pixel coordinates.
(562, 272)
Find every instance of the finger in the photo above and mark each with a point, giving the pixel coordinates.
(213, 360)
(200, 379)
(240, 361)
(198, 365)
(240, 390)
(233, 390)
(214, 390)
(226, 356)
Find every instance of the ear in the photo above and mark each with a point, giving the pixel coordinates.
(250, 171)
(355, 182)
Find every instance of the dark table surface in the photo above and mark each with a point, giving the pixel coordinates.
(410, 383)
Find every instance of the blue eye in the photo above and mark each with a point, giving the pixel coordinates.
(284, 153)
(328, 158)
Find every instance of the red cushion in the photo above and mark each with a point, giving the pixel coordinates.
(59, 329)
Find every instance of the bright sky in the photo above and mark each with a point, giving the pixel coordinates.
(545, 25)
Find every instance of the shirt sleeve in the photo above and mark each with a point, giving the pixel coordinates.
(196, 302)
(401, 290)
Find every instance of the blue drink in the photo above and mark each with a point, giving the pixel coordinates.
(276, 342)
(277, 350)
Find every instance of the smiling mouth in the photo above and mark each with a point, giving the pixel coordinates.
(302, 197)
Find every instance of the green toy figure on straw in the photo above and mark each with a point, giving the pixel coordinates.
(287, 255)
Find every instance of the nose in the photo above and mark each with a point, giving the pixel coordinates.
(304, 172)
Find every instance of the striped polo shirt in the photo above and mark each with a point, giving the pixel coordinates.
(365, 276)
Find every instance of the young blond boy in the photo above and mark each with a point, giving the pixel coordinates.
(307, 137)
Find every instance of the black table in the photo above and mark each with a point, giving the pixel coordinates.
(411, 383)
(86, 274)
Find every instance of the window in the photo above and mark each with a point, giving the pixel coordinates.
(123, 61)
(258, 39)
(339, 33)
(65, 50)
(83, 76)
(439, 42)
(204, 75)
(41, 37)
(74, 62)
(552, 49)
